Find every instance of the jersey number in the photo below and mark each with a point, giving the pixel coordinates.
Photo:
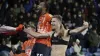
(39, 54)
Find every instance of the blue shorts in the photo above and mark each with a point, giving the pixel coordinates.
(41, 50)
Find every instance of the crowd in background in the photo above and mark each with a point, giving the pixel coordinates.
(23, 11)
(15, 12)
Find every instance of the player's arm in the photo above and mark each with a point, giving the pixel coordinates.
(8, 29)
(4, 29)
(36, 34)
(80, 29)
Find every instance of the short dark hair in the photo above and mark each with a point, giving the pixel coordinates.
(59, 17)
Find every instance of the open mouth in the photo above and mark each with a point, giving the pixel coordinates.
(53, 25)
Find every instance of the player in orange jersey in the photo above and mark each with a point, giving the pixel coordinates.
(29, 44)
(42, 46)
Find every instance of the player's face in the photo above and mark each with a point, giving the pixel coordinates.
(55, 23)
(41, 8)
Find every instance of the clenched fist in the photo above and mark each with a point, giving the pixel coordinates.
(86, 24)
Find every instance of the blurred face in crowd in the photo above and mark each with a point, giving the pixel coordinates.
(55, 2)
(21, 16)
(11, 15)
(92, 6)
(89, 2)
(99, 5)
(76, 4)
(61, 1)
(7, 5)
(82, 10)
(22, 0)
(74, 9)
(81, 5)
(31, 23)
(15, 5)
(65, 9)
(28, 14)
(34, 16)
(68, 14)
(55, 23)
(27, 2)
(19, 1)
(21, 6)
(34, 5)
(83, 0)
(74, 43)
(84, 6)
(11, 9)
(74, 16)
(22, 10)
(79, 14)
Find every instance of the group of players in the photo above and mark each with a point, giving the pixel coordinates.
(51, 37)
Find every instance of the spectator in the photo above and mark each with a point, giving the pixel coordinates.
(3, 10)
(77, 48)
(16, 10)
(21, 16)
(79, 19)
(54, 8)
(93, 39)
(9, 17)
(28, 17)
(62, 4)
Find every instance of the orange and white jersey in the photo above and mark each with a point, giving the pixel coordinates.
(28, 45)
(44, 26)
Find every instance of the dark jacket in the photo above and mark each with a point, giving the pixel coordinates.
(93, 39)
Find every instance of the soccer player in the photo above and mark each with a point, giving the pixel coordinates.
(60, 35)
(42, 46)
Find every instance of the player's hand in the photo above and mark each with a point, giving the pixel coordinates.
(20, 27)
(86, 24)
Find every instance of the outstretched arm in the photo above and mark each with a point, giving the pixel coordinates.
(80, 29)
(9, 29)
(36, 34)
(4, 29)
